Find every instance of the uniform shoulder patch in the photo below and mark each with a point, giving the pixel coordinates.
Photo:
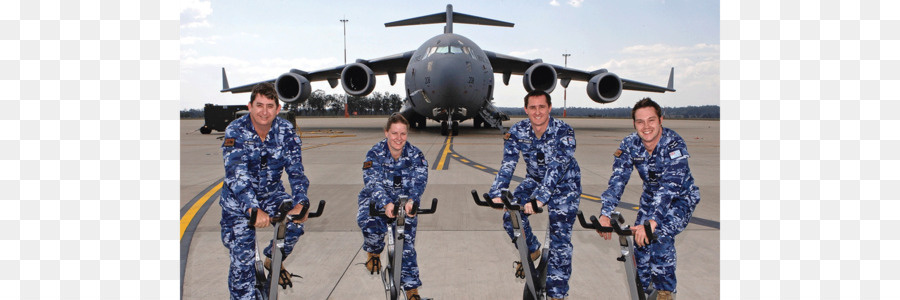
(506, 136)
(618, 152)
(367, 164)
(228, 142)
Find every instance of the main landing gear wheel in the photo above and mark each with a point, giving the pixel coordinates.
(444, 128)
(455, 128)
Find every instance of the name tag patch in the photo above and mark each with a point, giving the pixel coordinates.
(675, 154)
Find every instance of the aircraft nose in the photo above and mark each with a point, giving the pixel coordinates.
(449, 77)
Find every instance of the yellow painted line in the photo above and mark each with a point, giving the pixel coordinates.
(454, 155)
(480, 167)
(590, 197)
(636, 207)
(443, 159)
(464, 160)
(186, 220)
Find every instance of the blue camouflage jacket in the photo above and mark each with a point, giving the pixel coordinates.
(386, 179)
(253, 168)
(549, 160)
(669, 194)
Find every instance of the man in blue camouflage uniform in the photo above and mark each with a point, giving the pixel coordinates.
(392, 168)
(553, 178)
(256, 148)
(669, 194)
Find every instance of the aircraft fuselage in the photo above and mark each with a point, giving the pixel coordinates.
(449, 78)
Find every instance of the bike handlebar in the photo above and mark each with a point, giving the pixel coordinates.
(505, 196)
(615, 226)
(415, 209)
(286, 206)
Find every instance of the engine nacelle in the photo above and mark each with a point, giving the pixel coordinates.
(540, 76)
(292, 87)
(604, 88)
(358, 79)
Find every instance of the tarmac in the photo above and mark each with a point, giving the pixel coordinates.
(463, 252)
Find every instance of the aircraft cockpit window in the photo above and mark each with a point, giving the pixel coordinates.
(447, 50)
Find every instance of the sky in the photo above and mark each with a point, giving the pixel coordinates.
(638, 40)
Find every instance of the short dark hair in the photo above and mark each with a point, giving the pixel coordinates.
(395, 118)
(646, 102)
(266, 89)
(536, 93)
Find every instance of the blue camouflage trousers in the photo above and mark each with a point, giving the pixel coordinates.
(373, 231)
(562, 210)
(656, 264)
(240, 240)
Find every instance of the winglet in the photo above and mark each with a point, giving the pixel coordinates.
(671, 86)
(225, 80)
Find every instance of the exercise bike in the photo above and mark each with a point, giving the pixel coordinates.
(264, 284)
(535, 278)
(396, 235)
(626, 242)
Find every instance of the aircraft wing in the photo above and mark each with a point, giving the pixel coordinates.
(380, 66)
(513, 65)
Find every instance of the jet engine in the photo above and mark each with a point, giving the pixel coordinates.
(292, 87)
(358, 79)
(540, 76)
(604, 87)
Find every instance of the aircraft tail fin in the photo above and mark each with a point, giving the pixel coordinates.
(449, 17)
(224, 80)
(671, 79)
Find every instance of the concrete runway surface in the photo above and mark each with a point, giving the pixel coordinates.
(463, 252)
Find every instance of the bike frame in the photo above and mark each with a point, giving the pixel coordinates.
(396, 235)
(535, 284)
(626, 244)
(279, 221)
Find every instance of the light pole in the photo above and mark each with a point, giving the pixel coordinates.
(566, 57)
(346, 98)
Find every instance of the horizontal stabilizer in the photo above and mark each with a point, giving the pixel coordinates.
(449, 18)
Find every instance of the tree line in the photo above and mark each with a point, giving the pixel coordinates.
(377, 103)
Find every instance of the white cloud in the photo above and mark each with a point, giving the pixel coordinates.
(193, 40)
(527, 54)
(554, 3)
(194, 13)
(575, 3)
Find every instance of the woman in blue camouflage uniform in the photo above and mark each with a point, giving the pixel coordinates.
(256, 148)
(392, 168)
(553, 177)
(669, 194)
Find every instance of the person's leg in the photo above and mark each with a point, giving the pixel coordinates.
(240, 241)
(562, 210)
(373, 231)
(409, 271)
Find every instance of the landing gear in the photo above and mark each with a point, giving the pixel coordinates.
(450, 128)
(454, 128)
(444, 128)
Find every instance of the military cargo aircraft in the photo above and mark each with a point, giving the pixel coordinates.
(449, 78)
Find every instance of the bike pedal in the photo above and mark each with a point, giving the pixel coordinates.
(520, 270)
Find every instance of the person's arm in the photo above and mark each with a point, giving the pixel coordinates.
(419, 175)
(557, 164)
(373, 178)
(507, 165)
(237, 176)
(674, 217)
(294, 169)
(621, 173)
